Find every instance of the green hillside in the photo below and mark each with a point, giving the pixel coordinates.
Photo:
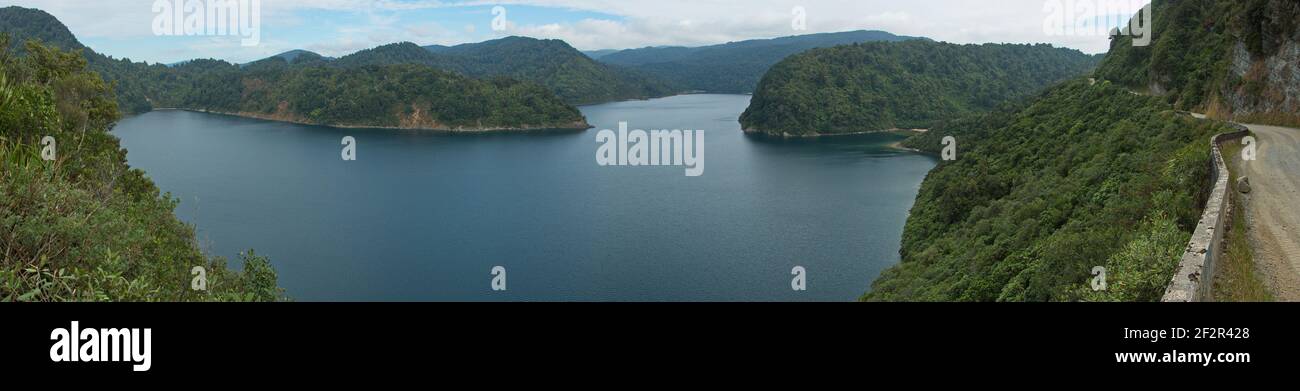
(914, 84)
(1044, 190)
(85, 226)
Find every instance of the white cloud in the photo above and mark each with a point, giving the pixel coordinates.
(639, 24)
(701, 22)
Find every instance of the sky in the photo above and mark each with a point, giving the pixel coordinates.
(126, 28)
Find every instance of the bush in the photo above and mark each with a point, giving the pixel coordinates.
(85, 226)
(1142, 269)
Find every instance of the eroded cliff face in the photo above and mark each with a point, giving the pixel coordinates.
(1227, 58)
(1265, 63)
(1270, 84)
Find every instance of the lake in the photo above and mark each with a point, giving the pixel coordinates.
(424, 216)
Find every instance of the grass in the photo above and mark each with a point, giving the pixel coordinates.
(1236, 279)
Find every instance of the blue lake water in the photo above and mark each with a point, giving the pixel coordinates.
(423, 216)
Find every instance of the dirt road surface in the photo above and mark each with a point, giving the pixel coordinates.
(1273, 207)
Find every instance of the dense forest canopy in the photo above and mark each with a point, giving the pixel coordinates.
(400, 96)
(1044, 190)
(79, 224)
(912, 84)
(734, 67)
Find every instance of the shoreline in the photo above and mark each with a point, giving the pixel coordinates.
(685, 93)
(467, 130)
(819, 135)
(899, 146)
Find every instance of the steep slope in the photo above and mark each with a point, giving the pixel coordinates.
(1093, 175)
(87, 227)
(734, 67)
(1230, 59)
(882, 85)
(38, 25)
(1237, 60)
(1044, 190)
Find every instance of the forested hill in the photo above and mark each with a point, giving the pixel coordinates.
(571, 74)
(914, 84)
(734, 67)
(301, 57)
(397, 96)
(1227, 58)
(38, 25)
(567, 72)
(134, 82)
(1046, 189)
(308, 91)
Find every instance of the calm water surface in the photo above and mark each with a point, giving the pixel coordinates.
(425, 216)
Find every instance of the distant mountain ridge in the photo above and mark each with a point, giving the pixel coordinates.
(298, 86)
(657, 54)
(299, 55)
(597, 54)
(734, 67)
(568, 72)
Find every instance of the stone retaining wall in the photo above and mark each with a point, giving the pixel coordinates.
(1194, 279)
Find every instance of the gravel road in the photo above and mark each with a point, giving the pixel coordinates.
(1273, 207)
